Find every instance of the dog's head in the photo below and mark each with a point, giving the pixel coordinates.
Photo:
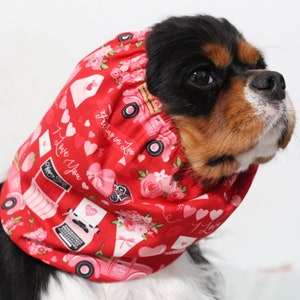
(229, 110)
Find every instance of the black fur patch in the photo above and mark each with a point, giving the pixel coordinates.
(21, 276)
(175, 52)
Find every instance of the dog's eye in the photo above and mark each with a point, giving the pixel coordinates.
(201, 77)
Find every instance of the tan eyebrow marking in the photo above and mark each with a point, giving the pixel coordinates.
(247, 54)
(218, 54)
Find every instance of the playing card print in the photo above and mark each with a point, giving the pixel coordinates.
(183, 242)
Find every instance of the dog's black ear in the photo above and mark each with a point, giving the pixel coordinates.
(196, 254)
(175, 48)
(214, 279)
(180, 38)
(160, 45)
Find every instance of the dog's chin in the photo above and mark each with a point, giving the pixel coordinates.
(279, 120)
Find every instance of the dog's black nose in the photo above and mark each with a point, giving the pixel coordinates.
(271, 83)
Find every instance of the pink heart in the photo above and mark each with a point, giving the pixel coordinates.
(63, 103)
(54, 259)
(90, 210)
(201, 213)
(70, 129)
(236, 200)
(90, 148)
(102, 179)
(188, 211)
(91, 85)
(91, 134)
(65, 117)
(148, 251)
(215, 214)
(141, 157)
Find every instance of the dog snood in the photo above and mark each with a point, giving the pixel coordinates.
(100, 188)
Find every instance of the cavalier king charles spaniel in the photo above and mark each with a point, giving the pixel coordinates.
(149, 147)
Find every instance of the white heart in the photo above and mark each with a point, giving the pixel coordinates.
(54, 259)
(85, 186)
(201, 213)
(215, 214)
(70, 130)
(141, 157)
(90, 148)
(188, 211)
(87, 123)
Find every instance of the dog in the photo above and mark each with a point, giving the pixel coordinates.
(150, 146)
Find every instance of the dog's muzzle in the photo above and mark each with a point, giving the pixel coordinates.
(270, 85)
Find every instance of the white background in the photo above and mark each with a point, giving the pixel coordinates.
(41, 41)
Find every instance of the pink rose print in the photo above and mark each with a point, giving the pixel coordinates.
(150, 187)
(97, 60)
(160, 184)
(38, 235)
(132, 221)
(129, 224)
(35, 242)
(115, 73)
(12, 224)
(168, 183)
(35, 248)
(130, 70)
(178, 194)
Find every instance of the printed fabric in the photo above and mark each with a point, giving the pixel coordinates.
(100, 188)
